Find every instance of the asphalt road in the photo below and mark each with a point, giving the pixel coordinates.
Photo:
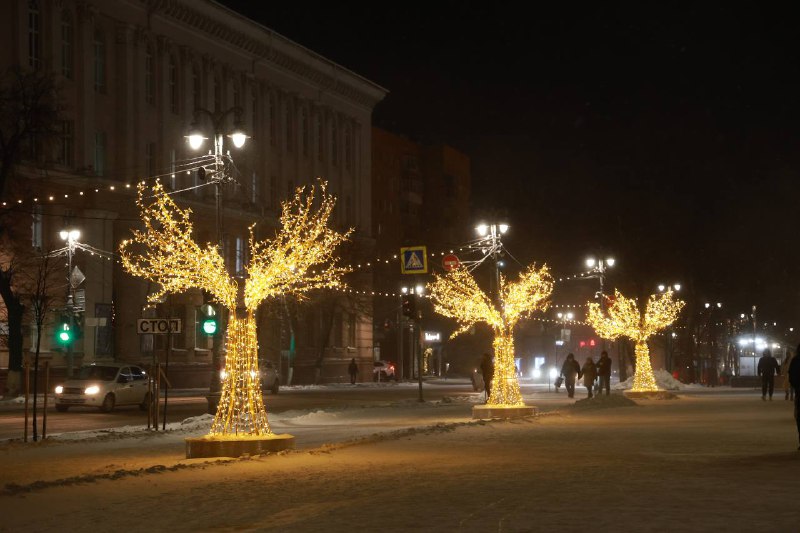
(180, 406)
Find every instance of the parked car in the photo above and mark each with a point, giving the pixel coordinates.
(270, 381)
(383, 371)
(269, 376)
(104, 385)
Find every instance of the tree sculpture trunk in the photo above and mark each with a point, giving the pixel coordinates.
(643, 378)
(505, 386)
(241, 408)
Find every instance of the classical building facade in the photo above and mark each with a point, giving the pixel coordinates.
(132, 74)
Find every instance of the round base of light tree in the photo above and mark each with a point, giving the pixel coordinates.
(486, 412)
(650, 395)
(237, 446)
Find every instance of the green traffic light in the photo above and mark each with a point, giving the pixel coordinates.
(210, 326)
(65, 335)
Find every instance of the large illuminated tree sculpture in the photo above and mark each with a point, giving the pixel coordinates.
(623, 319)
(298, 259)
(457, 295)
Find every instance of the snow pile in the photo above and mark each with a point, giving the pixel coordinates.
(602, 401)
(664, 380)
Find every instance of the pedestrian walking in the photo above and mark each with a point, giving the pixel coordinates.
(794, 381)
(571, 371)
(788, 391)
(487, 369)
(767, 368)
(604, 372)
(352, 368)
(589, 372)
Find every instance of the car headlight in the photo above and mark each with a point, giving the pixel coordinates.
(94, 389)
(223, 375)
(59, 389)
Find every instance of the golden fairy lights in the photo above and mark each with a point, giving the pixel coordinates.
(165, 253)
(457, 295)
(623, 319)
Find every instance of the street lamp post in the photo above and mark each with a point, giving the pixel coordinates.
(598, 270)
(71, 237)
(671, 336)
(196, 139)
(415, 353)
(490, 234)
(564, 318)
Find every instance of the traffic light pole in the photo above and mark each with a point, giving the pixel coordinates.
(70, 307)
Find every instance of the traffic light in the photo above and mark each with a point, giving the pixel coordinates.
(65, 333)
(409, 304)
(208, 321)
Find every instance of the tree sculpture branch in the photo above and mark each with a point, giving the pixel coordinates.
(531, 293)
(166, 253)
(286, 263)
(458, 296)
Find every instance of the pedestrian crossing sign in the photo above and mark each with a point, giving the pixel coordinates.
(414, 260)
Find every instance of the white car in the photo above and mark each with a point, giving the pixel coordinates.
(104, 385)
(383, 371)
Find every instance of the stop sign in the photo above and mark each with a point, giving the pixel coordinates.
(450, 262)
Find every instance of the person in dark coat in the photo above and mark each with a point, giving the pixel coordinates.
(589, 372)
(352, 368)
(794, 381)
(571, 371)
(487, 369)
(767, 368)
(604, 372)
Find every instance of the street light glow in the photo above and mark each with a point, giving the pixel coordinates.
(661, 288)
(238, 138)
(482, 229)
(610, 261)
(503, 228)
(195, 141)
(590, 262)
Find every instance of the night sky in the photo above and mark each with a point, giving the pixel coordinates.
(665, 137)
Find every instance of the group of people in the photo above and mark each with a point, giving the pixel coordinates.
(572, 371)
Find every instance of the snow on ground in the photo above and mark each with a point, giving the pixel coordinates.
(708, 462)
(664, 380)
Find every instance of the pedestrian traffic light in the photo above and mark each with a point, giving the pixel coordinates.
(409, 304)
(208, 320)
(65, 333)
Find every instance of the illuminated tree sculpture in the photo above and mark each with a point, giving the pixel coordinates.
(457, 295)
(623, 319)
(298, 259)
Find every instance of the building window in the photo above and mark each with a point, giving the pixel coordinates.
(195, 89)
(173, 85)
(34, 35)
(272, 120)
(99, 62)
(254, 187)
(150, 158)
(338, 328)
(149, 76)
(348, 146)
(67, 32)
(217, 95)
(351, 329)
(320, 151)
(239, 256)
(254, 118)
(67, 147)
(304, 126)
(100, 153)
(289, 128)
(273, 191)
(36, 227)
(334, 145)
(173, 179)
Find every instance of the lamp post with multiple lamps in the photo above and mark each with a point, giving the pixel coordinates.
(415, 355)
(711, 377)
(490, 242)
(221, 175)
(598, 270)
(671, 335)
(71, 237)
(563, 318)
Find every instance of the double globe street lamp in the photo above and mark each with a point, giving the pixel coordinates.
(196, 137)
